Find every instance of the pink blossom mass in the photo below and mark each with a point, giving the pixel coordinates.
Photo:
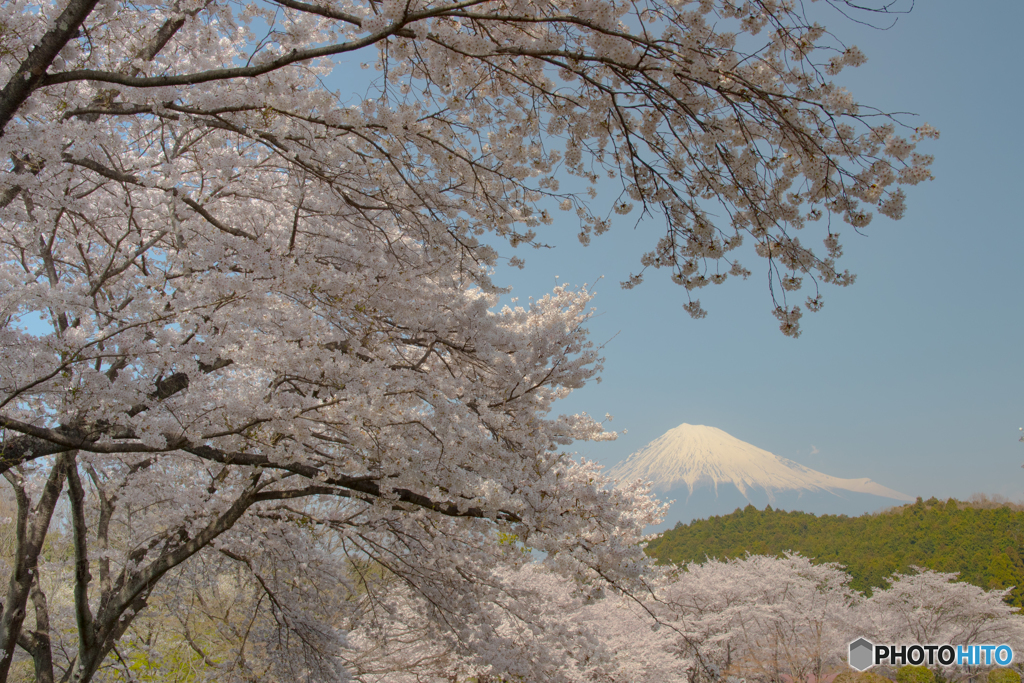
(268, 411)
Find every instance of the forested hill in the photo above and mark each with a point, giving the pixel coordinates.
(980, 541)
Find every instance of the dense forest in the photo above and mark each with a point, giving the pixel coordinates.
(980, 539)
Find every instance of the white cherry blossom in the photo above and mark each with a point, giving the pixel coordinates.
(272, 341)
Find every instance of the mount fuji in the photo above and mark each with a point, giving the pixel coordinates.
(708, 472)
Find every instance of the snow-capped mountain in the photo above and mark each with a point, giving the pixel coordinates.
(708, 472)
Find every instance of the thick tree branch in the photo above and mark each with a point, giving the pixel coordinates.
(213, 74)
(32, 71)
(39, 442)
(106, 504)
(365, 485)
(39, 640)
(83, 614)
(292, 57)
(64, 439)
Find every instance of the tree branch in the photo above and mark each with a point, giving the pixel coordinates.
(113, 621)
(41, 648)
(32, 527)
(83, 615)
(32, 71)
(132, 179)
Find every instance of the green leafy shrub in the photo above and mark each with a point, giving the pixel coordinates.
(1003, 676)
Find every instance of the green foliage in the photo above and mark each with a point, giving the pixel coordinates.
(1003, 676)
(177, 665)
(982, 543)
(916, 674)
(512, 541)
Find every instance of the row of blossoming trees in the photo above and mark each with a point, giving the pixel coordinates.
(252, 361)
(763, 619)
(760, 619)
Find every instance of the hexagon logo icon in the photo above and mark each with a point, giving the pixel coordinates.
(862, 653)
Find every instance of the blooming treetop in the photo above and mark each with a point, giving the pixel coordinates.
(932, 607)
(483, 106)
(760, 617)
(271, 328)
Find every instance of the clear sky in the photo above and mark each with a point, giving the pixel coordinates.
(914, 376)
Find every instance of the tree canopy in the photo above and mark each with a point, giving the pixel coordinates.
(272, 344)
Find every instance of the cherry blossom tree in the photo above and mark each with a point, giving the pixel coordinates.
(761, 618)
(272, 343)
(929, 607)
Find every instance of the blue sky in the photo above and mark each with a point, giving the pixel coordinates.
(914, 376)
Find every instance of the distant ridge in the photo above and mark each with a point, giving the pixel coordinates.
(729, 473)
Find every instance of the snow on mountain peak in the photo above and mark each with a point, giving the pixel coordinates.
(697, 455)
